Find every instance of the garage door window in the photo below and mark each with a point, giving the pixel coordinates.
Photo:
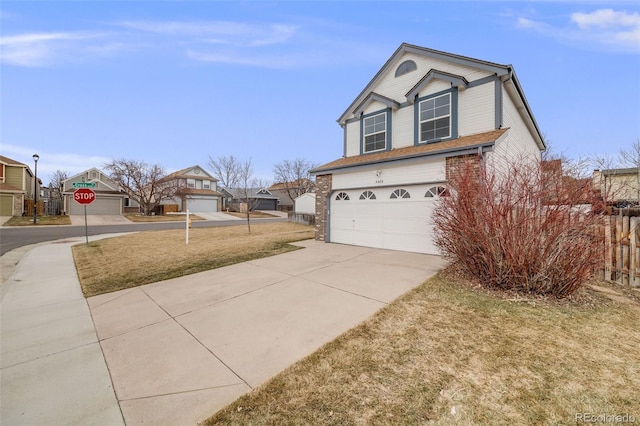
(367, 195)
(436, 191)
(342, 196)
(400, 193)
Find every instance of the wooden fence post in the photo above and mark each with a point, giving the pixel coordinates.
(633, 252)
(608, 252)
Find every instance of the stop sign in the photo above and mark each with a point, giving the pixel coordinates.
(84, 196)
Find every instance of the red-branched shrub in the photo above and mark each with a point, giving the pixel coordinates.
(523, 228)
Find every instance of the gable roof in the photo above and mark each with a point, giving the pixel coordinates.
(456, 80)
(293, 184)
(457, 146)
(506, 73)
(184, 173)
(252, 192)
(11, 162)
(373, 96)
(102, 178)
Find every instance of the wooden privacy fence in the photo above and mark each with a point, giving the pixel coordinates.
(622, 249)
(28, 207)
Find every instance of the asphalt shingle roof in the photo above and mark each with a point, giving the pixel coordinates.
(414, 151)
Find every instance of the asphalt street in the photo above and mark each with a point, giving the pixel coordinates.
(14, 237)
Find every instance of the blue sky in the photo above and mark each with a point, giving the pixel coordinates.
(172, 83)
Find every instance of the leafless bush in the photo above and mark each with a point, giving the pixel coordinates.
(525, 228)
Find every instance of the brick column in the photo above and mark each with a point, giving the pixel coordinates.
(463, 163)
(323, 188)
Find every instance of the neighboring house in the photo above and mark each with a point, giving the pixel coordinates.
(110, 199)
(422, 117)
(306, 203)
(16, 186)
(197, 190)
(258, 198)
(618, 186)
(287, 192)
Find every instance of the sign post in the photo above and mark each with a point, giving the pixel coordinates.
(188, 224)
(84, 196)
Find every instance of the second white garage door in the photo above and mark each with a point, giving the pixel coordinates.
(396, 218)
(202, 204)
(101, 206)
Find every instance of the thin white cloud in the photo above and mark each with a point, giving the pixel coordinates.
(219, 32)
(49, 162)
(617, 31)
(262, 61)
(39, 49)
(606, 18)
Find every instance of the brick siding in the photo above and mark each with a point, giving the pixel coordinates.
(323, 188)
(456, 165)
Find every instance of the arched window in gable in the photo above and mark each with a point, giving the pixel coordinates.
(406, 67)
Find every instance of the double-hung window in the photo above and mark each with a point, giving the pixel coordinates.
(435, 118)
(375, 132)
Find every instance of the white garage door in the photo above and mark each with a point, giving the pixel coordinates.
(396, 218)
(100, 205)
(205, 205)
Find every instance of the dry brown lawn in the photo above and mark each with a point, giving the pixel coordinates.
(255, 215)
(165, 218)
(141, 258)
(449, 353)
(40, 220)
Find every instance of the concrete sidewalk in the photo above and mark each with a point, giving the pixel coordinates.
(52, 367)
(179, 350)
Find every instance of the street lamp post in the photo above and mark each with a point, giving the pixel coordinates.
(36, 157)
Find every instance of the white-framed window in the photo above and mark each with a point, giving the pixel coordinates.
(435, 118)
(400, 193)
(342, 196)
(367, 195)
(375, 132)
(191, 183)
(206, 184)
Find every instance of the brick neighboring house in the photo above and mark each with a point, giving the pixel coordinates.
(16, 186)
(422, 117)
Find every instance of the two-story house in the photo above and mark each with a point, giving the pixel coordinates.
(196, 190)
(16, 186)
(110, 198)
(422, 116)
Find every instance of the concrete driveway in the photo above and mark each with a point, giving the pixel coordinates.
(201, 341)
(179, 350)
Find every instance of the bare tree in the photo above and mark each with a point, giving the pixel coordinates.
(142, 182)
(246, 184)
(225, 169)
(56, 181)
(631, 157)
(294, 176)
